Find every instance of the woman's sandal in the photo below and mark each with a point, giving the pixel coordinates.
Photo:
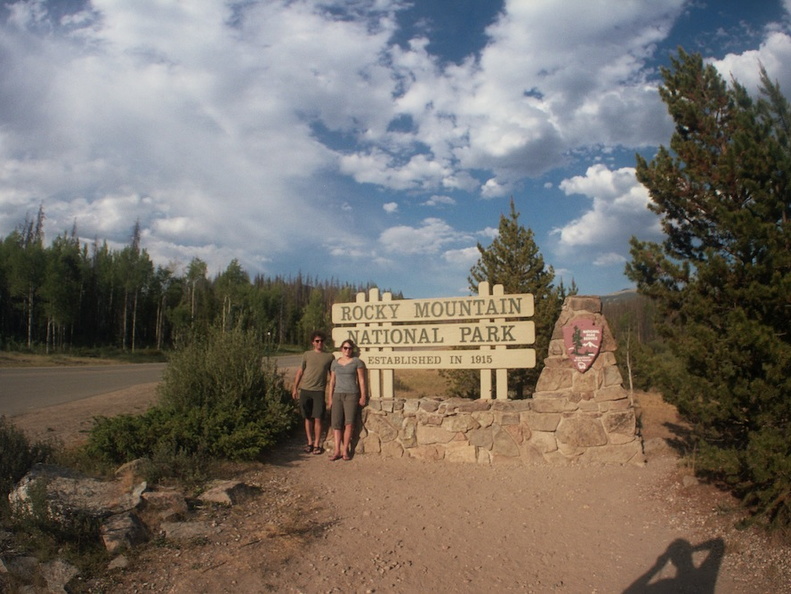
(335, 457)
(318, 450)
(308, 449)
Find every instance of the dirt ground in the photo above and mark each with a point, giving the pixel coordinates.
(399, 525)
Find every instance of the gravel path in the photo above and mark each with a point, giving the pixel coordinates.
(398, 525)
(386, 525)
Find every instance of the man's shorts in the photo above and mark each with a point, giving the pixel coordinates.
(311, 404)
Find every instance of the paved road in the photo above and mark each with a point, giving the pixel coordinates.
(286, 361)
(23, 389)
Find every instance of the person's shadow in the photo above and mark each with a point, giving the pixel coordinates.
(688, 577)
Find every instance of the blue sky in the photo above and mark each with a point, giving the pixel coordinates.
(359, 140)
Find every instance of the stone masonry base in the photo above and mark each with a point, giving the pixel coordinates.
(573, 416)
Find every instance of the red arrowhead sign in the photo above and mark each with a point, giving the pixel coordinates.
(582, 339)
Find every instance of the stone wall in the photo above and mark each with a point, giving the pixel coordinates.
(573, 416)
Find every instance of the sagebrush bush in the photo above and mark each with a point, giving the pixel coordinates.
(217, 400)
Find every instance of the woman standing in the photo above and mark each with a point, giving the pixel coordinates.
(347, 390)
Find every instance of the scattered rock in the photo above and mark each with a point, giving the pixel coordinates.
(689, 481)
(57, 574)
(131, 471)
(187, 530)
(123, 531)
(23, 568)
(126, 511)
(120, 562)
(227, 492)
(166, 505)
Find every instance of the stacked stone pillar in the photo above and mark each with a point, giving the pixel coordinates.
(597, 419)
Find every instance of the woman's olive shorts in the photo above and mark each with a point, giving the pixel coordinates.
(344, 408)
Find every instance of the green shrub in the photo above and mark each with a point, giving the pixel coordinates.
(191, 470)
(18, 456)
(36, 533)
(74, 537)
(462, 383)
(216, 401)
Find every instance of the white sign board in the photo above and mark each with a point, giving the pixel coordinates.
(484, 332)
(467, 359)
(505, 333)
(434, 310)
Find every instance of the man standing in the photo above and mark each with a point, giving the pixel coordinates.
(310, 386)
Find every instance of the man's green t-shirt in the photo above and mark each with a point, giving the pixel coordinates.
(315, 367)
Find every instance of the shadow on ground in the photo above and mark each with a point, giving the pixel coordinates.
(676, 571)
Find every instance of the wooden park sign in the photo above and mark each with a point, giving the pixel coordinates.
(483, 332)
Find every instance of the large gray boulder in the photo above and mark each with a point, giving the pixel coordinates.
(63, 495)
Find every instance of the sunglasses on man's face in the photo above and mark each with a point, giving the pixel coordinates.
(318, 340)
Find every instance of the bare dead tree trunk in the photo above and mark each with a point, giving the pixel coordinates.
(30, 318)
(629, 360)
(134, 320)
(160, 320)
(49, 335)
(125, 317)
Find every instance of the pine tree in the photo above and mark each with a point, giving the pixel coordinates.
(232, 288)
(722, 277)
(314, 316)
(197, 298)
(60, 290)
(135, 269)
(514, 261)
(26, 270)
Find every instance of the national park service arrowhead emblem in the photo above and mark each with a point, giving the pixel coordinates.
(582, 339)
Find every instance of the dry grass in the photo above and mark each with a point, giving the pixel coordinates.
(32, 360)
(657, 417)
(419, 383)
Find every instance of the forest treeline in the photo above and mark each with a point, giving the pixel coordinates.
(72, 295)
(75, 295)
